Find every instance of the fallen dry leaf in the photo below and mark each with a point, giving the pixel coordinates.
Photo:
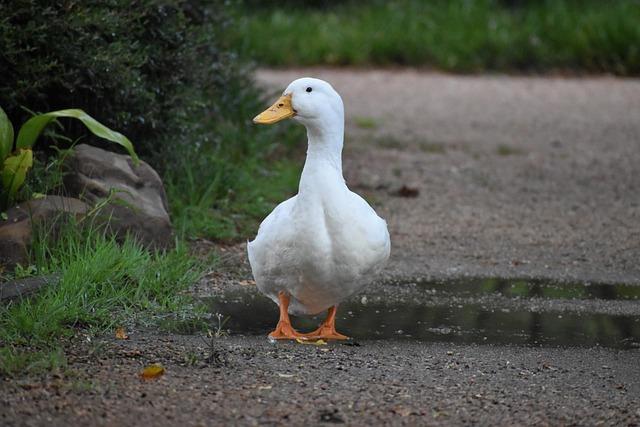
(121, 334)
(152, 371)
(309, 342)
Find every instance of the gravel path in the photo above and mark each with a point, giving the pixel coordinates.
(374, 383)
(476, 176)
(517, 176)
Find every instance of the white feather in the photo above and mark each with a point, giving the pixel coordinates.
(326, 243)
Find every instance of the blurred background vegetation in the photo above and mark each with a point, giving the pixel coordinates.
(594, 36)
(175, 75)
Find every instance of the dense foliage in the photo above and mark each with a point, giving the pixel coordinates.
(147, 68)
(162, 73)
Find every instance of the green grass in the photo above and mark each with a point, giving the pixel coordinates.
(457, 35)
(507, 150)
(224, 192)
(102, 284)
(13, 361)
(366, 122)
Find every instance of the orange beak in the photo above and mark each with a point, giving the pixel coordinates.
(280, 110)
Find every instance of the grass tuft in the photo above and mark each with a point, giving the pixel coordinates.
(507, 150)
(102, 284)
(15, 360)
(223, 191)
(366, 122)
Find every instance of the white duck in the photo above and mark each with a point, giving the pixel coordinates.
(324, 244)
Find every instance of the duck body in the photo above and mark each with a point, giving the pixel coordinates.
(324, 244)
(321, 246)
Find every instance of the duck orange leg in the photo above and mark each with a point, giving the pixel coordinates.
(327, 330)
(284, 330)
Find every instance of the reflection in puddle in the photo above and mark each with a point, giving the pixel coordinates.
(533, 288)
(249, 312)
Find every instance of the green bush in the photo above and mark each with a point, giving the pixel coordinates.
(148, 68)
(162, 73)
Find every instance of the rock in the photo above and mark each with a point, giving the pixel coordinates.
(139, 205)
(22, 288)
(16, 230)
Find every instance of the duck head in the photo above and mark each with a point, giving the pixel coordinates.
(312, 102)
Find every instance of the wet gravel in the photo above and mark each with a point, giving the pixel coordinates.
(399, 292)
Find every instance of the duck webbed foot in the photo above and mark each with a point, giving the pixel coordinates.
(327, 330)
(284, 330)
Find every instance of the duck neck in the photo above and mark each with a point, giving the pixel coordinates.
(324, 155)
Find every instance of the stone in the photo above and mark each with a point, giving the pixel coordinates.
(23, 288)
(16, 231)
(137, 199)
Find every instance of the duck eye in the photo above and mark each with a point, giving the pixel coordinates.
(309, 89)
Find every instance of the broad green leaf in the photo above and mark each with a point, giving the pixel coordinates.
(32, 128)
(6, 135)
(14, 171)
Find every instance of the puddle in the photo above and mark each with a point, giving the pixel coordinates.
(533, 289)
(458, 312)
